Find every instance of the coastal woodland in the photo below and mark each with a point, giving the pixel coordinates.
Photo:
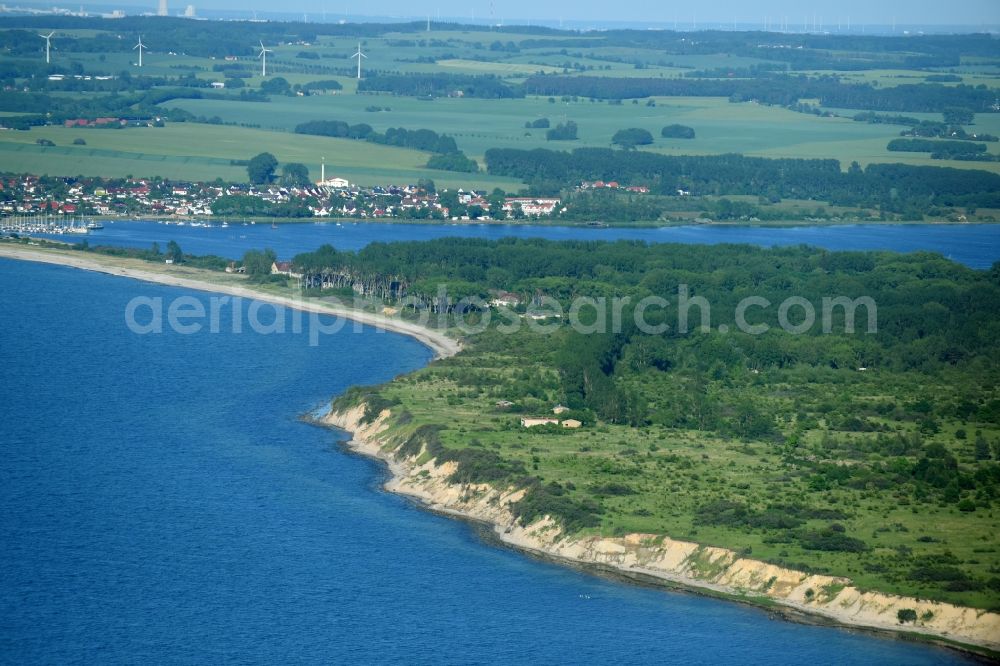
(872, 454)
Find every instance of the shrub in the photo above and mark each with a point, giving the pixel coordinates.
(831, 540)
(614, 489)
(426, 436)
(552, 500)
(481, 466)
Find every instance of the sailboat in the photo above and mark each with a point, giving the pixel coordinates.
(73, 229)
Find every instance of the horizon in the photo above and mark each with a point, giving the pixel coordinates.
(851, 16)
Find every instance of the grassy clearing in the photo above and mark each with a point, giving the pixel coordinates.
(672, 472)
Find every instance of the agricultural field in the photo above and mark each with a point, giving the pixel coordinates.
(205, 152)
(249, 112)
(479, 125)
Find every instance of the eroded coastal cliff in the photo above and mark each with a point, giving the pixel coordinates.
(653, 556)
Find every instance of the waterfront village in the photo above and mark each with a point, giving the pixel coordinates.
(27, 200)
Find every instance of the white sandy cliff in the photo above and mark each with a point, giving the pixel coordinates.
(662, 558)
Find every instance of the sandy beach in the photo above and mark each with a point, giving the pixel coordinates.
(442, 345)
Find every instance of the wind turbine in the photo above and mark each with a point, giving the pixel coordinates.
(359, 55)
(48, 43)
(139, 46)
(263, 59)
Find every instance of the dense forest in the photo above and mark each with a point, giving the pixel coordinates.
(722, 274)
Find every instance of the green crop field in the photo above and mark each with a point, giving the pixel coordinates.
(197, 151)
(498, 68)
(479, 125)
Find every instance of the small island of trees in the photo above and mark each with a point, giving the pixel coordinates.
(677, 132)
(562, 132)
(632, 137)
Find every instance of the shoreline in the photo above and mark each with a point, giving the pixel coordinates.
(441, 345)
(663, 562)
(648, 559)
(576, 224)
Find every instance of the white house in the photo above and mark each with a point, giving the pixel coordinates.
(531, 206)
(284, 268)
(531, 422)
(335, 183)
(505, 299)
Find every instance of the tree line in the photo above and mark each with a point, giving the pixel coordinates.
(893, 187)
(447, 155)
(784, 90)
(937, 149)
(440, 85)
(933, 315)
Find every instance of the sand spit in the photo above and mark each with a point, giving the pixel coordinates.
(442, 345)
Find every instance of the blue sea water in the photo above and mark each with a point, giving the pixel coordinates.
(161, 501)
(976, 245)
